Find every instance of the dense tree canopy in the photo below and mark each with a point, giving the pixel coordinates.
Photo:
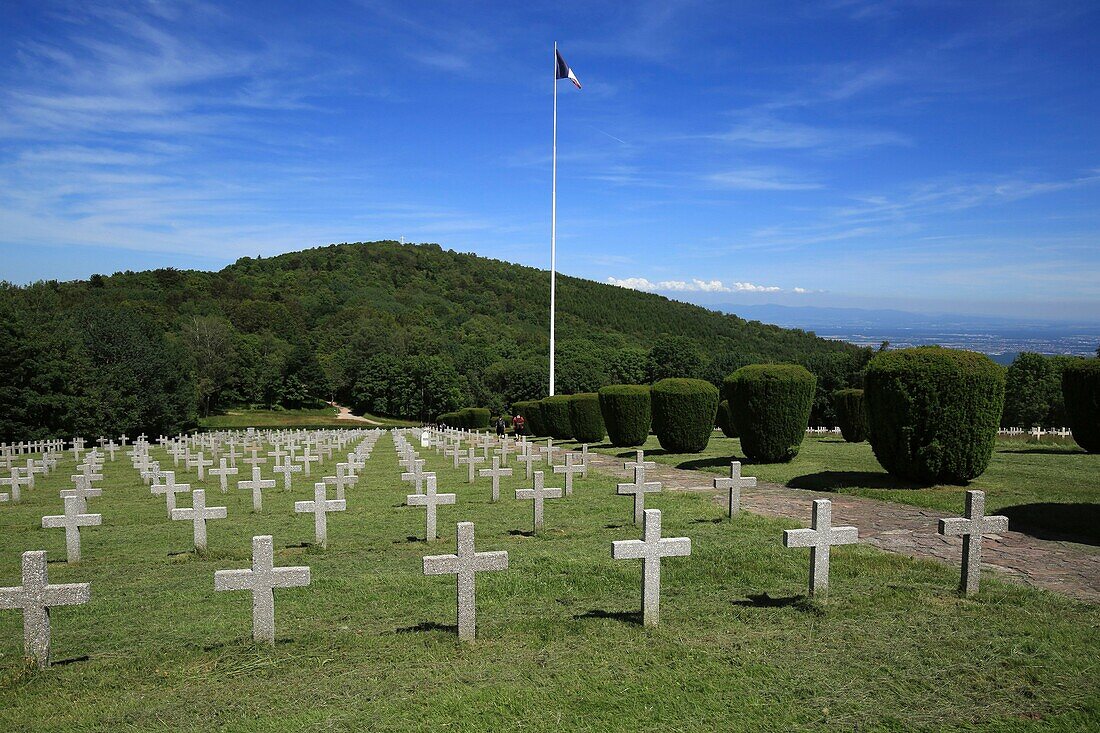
(402, 330)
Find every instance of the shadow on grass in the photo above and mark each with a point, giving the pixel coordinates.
(521, 533)
(73, 660)
(1052, 451)
(763, 600)
(833, 480)
(802, 603)
(1051, 521)
(424, 626)
(716, 520)
(627, 617)
(697, 464)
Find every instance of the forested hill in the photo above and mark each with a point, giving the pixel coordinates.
(402, 330)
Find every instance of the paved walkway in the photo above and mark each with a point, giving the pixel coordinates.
(1063, 567)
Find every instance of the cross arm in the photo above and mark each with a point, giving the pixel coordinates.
(67, 594)
(290, 577)
(440, 564)
(233, 580)
(627, 549)
(675, 547)
(801, 538)
(497, 560)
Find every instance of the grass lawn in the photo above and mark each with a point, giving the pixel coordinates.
(324, 417)
(1055, 486)
(370, 644)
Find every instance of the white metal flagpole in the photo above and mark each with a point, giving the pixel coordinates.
(554, 221)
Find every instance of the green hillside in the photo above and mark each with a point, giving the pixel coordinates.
(389, 329)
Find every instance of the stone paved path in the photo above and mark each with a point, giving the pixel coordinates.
(1063, 567)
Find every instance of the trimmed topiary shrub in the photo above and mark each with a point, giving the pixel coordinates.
(683, 413)
(770, 406)
(555, 416)
(627, 415)
(585, 417)
(1081, 391)
(850, 415)
(532, 415)
(933, 413)
(475, 418)
(725, 419)
(450, 419)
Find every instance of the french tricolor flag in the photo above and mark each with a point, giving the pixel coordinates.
(564, 72)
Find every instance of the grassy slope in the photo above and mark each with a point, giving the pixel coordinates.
(1020, 476)
(367, 647)
(320, 418)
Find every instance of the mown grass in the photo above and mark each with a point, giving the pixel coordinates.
(369, 645)
(1049, 485)
(324, 417)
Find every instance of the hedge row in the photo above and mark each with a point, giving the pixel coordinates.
(627, 413)
(531, 410)
(1081, 391)
(469, 418)
(851, 416)
(770, 406)
(585, 417)
(933, 413)
(683, 413)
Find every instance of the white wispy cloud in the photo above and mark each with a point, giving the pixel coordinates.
(762, 178)
(694, 285)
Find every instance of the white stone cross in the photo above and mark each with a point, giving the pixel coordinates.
(530, 456)
(639, 460)
(222, 472)
(819, 538)
(319, 508)
(16, 482)
(464, 564)
(256, 486)
(429, 499)
(569, 469)
(972, 527)
(549, 450)
(734, 484)
(471, 459)
(638, 490)
(341, 480)
(307, 458)
(198, 514)
(200, 462)
(286, 469)
(650, 549)
(416, 475)
(35, 597)
(538, 493)
(169, 488)
(72, 520)
(496, 472)
(262, 579)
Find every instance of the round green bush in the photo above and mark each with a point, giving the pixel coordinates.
(850, 415)
(683, 413)
(474, 418)
(770, 406)
(450, 419)
(725, 419)
(626, 410)
(532, 416)
(933, 413)
(1081, 391)
(585, 417)
(555, 415)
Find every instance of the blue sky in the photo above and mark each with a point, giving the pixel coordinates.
(919, 155)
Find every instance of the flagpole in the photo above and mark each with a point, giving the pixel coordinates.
(554, 221)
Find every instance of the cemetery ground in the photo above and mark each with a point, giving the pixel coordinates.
(371, 644)
(1051, 486)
